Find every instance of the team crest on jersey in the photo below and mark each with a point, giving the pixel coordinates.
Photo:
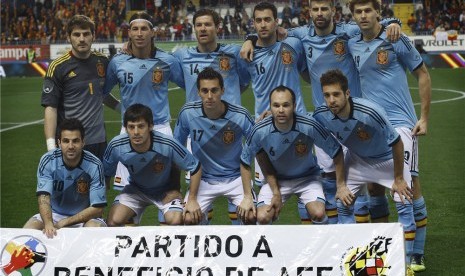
(225, 64)
(228, 137)
(382, 57)
(158, 167)
(363, 134)
(286, 57)
(301, 148)
(339, 48)
(157, 76)
(82, 186)
(100, 69)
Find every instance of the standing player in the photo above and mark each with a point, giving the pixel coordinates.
(150, 157)
(70, 184)
(73, 88)
(224, 58)
(375, 151)
(287, 138)
(275, 63)
(216, 128)
(376, 58)
(325, 46)
(143, 78)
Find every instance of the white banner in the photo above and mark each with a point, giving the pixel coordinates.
(304, 250)
(431, 44)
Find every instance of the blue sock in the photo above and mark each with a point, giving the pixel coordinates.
(361, 211)
(405, 214)
(421, 219)
(161, 218)
(232, 211)
(329, 188)
(379, 207)
(304, 216)
(345, 214)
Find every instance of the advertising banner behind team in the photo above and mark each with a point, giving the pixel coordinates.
(368, 249)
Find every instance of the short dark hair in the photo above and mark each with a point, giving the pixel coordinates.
(334, 76)
(210, 74)
(212, 13)
(327, 1)
(136, 112)
(80, 21)
(376, 4)
(282, 88)
(266, 6)
(71, 124)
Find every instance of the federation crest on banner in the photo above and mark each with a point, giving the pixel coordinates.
(228, 137)
(224, 63)
(363, 134)
(158, 166)
(100, 69)
(369, 259)
(382, 57)
(286, 57)
(339, 47)
(301, 148)
(157, 76)
(82, 186)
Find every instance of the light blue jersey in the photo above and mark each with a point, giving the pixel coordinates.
(149, 171)
(145, 81)
(367, 132)
(71, 190)
(225, 60)
(216, 143)
(328, 52)
(290, 153)
(279, 64)
(381, 65)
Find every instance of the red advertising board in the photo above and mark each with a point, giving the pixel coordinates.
(18, 53)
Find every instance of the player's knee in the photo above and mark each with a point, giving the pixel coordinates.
(174, 218)
(264, 217)
(318, 214)
(189, 220)
(94, 223)
(34, 223)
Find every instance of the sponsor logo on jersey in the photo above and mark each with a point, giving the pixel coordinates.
(339, 48)
(363, 134)
(301, 148)
(286, 57)
(225, 64)
(158, 166)
(28, 249)
(100, 69)
(82, 186)
(382, 57)
(71, 74)
(228, 137)
(157, 76)
(367, 260)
